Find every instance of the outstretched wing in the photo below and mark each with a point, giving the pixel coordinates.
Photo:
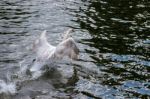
(42, 48)
(67, 48)
(67, 33)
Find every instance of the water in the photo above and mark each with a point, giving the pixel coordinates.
(113, 38)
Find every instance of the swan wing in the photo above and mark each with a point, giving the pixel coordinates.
(67, 48)
(66, 34)
(44, 51)
(42, 47)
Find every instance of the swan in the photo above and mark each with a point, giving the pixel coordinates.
(47, 53)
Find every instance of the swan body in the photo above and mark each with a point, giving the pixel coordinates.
(47, 53)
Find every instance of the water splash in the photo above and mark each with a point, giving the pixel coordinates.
(7, 88)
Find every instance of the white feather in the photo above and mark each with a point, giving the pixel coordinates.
(47, 53)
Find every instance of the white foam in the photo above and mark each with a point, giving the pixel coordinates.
(37, 66)
(7, 88)
(23, 68)
(36, 74)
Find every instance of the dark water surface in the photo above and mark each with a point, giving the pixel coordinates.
(113, 37)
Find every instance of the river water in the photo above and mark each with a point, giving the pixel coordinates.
(114, 41)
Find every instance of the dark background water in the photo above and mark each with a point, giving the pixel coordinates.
(113, 37)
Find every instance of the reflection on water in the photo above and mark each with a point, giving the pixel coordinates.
(113, 37)
(120, 32)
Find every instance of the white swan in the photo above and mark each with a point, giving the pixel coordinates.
(47, 53)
